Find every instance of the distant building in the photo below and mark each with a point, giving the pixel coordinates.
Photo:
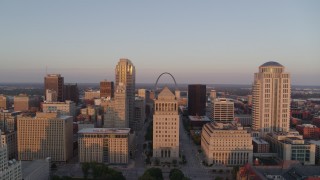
(249, 100)
(197, 122)
(8, 121)
(126, 75)
(222, 110)
(4, 102)
(140, 113)
(308, 131)
(197, 100)
(90, 95)
(51, 96)
(271, 99)
(10, 139)
(106, 89)
(292, 146)
(213, 95)
(260, 145)
(166, 126)
(177, 93)
(64, 108)
(104, 145)
(9, 170)
(46, 135)
(71, 93)
(243, 119)
(36, 169)
(21, 102)
(220, 146)
(54, 82)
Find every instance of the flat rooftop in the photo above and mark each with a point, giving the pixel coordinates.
(199, 118)
(259, 140)
(105, 131)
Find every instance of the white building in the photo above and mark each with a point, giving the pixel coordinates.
(271, 99)
(166, 126)
(9, 170)
(67, 108)
(222, 110)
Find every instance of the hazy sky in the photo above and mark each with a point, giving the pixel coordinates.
(197, 41)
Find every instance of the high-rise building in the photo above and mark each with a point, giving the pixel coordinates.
(54, 82)
(197, 100)
(166, 126)
(71, 92)
(46, 135)
(104, 145)
(21, 102)
(9, 170)
(4, 102)
(226, 143)
(9, 138)
(51, 96)
(106, 89)
(222, 110)
(126, 74)
(271, 99)
(140, 113)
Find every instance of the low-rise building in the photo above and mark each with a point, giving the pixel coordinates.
(243, 119)
(197, 122)
(67, 108)
(227, 144)
(36, 169)
(308, 131)
(292, 146)
(317, 144)
(260, 145)
(90, 95)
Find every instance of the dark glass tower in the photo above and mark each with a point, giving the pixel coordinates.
(197, 100)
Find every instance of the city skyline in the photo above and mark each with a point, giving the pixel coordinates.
(208, 42)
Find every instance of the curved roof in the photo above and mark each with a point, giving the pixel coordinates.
(271, 63)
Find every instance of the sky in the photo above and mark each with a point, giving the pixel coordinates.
(210, 42)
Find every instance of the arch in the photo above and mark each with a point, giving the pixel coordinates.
(155, 86)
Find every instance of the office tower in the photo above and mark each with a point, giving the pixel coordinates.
(54, 82)
(166, 127)
(227, 144)
(139, 113)
(104, 145)
(71, 92)
(67, 108)
(21, 102)
(213, 94)
(271, 99)
(106, 89)
(46, 135)
(126, 74)
(51, 96)
(116, 111)
(8, 121)
(222, 110)
(9, 138)
(197, 100)
(9, 170)
(4, 102)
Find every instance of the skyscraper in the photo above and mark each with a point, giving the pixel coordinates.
(54, 82)
(106, 89)
(271, 99)
(166, 126)
(71, 92)
(126, 74)
(222, 110)
(197, 100)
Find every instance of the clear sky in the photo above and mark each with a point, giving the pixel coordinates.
(220, 42)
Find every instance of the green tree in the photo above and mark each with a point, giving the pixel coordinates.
(85, 169)
(218, 178)
(176, 174)
(152, 174)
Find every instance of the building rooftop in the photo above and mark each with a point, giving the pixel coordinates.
(259, 140)
(271, 63)
(104, 131)
(199, 118)
(29, 167)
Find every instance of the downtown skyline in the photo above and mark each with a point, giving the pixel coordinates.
(208, 42)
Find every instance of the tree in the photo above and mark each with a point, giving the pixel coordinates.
(152, 174)
(176, 174)
(85, 169)
(218, 178)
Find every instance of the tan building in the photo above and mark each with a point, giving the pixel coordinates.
(126, 75)
(10, 139)
(116, 111)
(104, 145)
(222, 110)
(21, 102)
(90, 95)
(292, 146)
(220, 146)
(166, 127)
(54, 82)
(8, 120)
(106, 89)
(213, 95)
(45, 135)
(9, 170)
(51, 96)
(67, 108)
(4, 102)
(271, 99)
